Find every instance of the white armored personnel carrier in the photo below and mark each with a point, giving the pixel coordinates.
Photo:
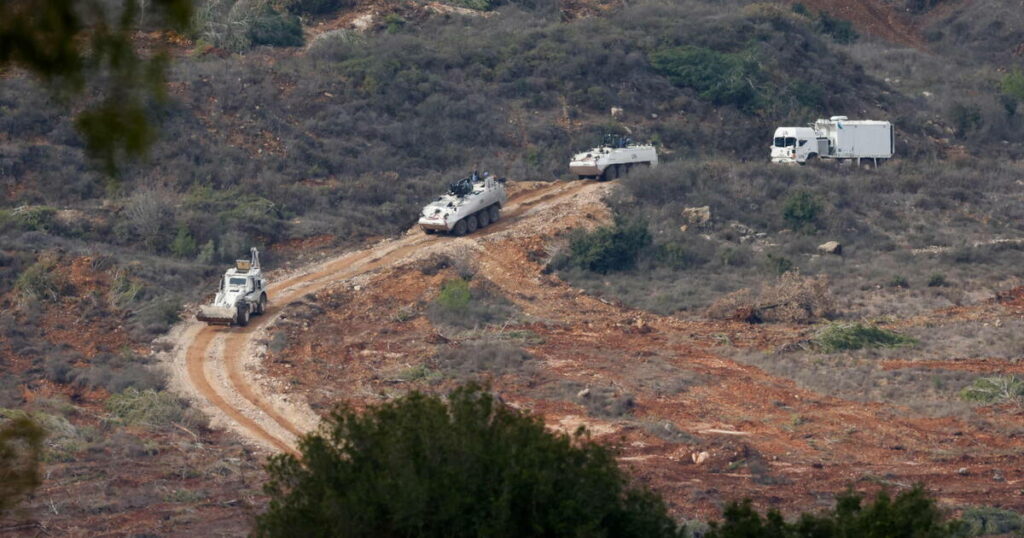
(470, 203)
(612, 159)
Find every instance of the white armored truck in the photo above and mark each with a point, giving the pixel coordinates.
(470, 203)
(835, 138)
(243, 293)
(612, 159)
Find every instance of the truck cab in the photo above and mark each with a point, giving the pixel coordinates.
(794, 145)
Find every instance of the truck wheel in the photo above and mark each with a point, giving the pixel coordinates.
(243, 315)
(495, 212)
(471, 224)
(460, 227)
(261, 306)
(483, 218)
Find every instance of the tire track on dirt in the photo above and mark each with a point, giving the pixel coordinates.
(248, 408)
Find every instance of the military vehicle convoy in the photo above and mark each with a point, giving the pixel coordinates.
(612, 159)
(471, 203)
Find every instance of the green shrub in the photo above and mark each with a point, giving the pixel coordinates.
(966, 118)
(911, 514)
(276, 29)
(801, 211)
(454, 296)
(899, 281)
(841, 31)
(184, 245)
(317, 7)
(993, 389)
(937, 280)
(1012, 85)
(852, 336)
(42, 281)
(460, 305)
(151, 408)
(989, 520)
(719, 77)
(29, 218)
(467, 465)
(609, 248)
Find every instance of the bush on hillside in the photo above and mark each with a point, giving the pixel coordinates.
(462, 305)
(913, 513)
(853, 336)
(271, 27)
(609, 248)
(719, 77)
(467, 465)
(801, 210)
(994, 389)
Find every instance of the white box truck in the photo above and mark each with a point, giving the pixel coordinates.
(834, 138)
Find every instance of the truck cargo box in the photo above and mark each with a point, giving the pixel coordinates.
(859, 139)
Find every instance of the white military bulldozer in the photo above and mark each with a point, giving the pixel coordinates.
(243, 293)
(470, 203)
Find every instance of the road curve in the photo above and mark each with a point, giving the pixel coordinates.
(215, 356)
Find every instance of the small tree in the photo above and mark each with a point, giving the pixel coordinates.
(465, 466)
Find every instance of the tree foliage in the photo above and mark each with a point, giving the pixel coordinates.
(21, 442)
(465, 466)
(83, 46)
(911, 514)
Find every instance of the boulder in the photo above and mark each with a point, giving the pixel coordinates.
(617, 112)
(832, 247)
(697, 215)
(699, 457)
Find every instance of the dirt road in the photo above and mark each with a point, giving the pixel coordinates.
(213, 365)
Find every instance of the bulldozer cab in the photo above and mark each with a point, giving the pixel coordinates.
(236, 283)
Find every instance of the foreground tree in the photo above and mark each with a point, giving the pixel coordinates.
(86, 49)
(465, 466)
(912, 514)
(21, 442)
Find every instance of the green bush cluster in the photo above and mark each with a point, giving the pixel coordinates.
(991, 521)
(719, 77)
(911, 513)
(609, 248)
(852, 336)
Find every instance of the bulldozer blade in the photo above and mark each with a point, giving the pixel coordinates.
(216, 315)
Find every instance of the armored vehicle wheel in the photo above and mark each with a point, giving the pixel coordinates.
(471, 224)
(610, 173)
(495, 212)
(243, 315)
(460, 228)
(428, 231)
(261, 306)
(483, 218)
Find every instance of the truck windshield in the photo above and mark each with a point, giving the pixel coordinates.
(236, 282)
(781, 142)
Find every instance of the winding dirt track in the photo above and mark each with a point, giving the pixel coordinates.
(209, 349)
